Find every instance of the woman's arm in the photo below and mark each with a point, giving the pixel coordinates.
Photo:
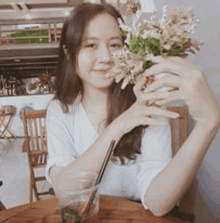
(179, 174)
(90, 161)
(93, 158)
(191, 86)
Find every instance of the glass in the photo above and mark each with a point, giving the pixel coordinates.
(73, 203)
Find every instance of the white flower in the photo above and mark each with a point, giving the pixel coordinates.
(145, 34)
(164, 16)
(172, 30)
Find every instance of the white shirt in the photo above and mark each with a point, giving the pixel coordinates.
(69, 136)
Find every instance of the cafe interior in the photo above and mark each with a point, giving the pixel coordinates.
(30, 32)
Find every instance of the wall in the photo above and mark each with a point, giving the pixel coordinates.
(208, 188)
(32, 101)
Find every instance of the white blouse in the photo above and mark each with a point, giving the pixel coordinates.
(69, 136)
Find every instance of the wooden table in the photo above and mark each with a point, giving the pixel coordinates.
(112, 210)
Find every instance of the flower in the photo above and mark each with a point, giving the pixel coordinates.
(168, 36)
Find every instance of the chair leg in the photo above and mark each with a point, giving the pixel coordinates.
(2, 207)
(30, 192)
(35, 191)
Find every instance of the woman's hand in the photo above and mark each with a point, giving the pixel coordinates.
(190, 84)
(140, 114)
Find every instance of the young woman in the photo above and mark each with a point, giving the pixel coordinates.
(90, 110)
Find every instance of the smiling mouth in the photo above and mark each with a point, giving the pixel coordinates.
(102, 73)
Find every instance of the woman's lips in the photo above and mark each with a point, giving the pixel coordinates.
(102, 73)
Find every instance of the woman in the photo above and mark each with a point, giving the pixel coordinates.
(90, 110)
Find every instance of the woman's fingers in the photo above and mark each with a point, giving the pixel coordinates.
(173, 65)
(158, 90)
(168, 67)
(151, 121)
(161, 59)
(153, 111)
(153, 96)
(173, 81)
(173, 97)
(138, 86)
(191, 87)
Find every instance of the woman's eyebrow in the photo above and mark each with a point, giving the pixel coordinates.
(96, 38)
(116, 37)
(91, 38)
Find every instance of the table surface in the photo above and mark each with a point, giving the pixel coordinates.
(112, 210)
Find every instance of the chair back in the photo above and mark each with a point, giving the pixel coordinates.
(36, 147)
(35, 135)
(180, 132)
(179, 127)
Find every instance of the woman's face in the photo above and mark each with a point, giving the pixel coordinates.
(101, 38)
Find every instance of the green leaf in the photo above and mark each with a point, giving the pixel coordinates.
(135, 8)
(133, 40)
(147, 64)
(175, 50)
(138, 44)
(153, 46)
(124, 33)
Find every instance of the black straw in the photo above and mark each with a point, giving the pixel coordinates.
(100, 175)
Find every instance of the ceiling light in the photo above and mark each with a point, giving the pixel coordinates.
(28, 16)
(17, 60)
(67, 13)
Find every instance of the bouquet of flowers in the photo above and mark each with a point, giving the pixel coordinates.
(169, 36)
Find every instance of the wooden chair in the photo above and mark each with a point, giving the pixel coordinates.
(180, 132)
(2, 207)
(36, 147)
(7, 113)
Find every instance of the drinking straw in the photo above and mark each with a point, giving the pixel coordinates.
(100, 175)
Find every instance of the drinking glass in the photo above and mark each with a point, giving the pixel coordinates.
(73, 202)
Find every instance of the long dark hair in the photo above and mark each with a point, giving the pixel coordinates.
(69, 85)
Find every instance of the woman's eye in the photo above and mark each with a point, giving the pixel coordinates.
(116, 46)
(90, 45)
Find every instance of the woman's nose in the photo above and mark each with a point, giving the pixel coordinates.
(104, 55)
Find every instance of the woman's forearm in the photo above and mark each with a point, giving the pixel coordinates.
(90, 161)
(170, 185)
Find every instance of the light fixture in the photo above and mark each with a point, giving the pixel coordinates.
(67, 13)
(17, 60)
(27, 16)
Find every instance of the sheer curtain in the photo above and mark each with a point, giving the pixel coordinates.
(147, 5)
(144, 6)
